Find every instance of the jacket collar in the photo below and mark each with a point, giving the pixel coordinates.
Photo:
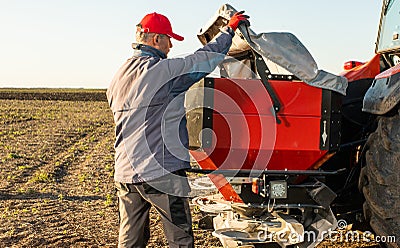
(145, 50)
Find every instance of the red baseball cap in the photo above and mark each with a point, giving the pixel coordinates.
(159, 24)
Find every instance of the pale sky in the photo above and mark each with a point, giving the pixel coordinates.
(82, 43)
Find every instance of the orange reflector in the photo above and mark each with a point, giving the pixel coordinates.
(352, 64)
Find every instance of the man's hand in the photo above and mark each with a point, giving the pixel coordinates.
(236, 19)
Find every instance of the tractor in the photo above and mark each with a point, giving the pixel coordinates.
(296, 152)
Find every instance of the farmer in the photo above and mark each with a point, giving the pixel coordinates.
(146, 97)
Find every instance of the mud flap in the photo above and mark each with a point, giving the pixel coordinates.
(323, 223)
(322, 195)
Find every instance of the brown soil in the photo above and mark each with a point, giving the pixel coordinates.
(56, 180)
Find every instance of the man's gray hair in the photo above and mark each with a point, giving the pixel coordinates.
(142, 37)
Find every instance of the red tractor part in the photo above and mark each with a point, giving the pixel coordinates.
(240, 129)
(366, 70)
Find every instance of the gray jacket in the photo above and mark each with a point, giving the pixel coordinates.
(146, 97)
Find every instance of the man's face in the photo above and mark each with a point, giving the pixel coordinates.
(164, 43)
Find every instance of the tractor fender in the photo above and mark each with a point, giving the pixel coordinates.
(384, 93)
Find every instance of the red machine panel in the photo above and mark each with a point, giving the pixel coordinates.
(245, 134)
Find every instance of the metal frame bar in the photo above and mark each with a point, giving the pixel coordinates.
(258, 173)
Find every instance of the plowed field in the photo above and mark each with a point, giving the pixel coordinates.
(56, 180)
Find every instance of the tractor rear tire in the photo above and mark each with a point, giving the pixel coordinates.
(380, 179)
